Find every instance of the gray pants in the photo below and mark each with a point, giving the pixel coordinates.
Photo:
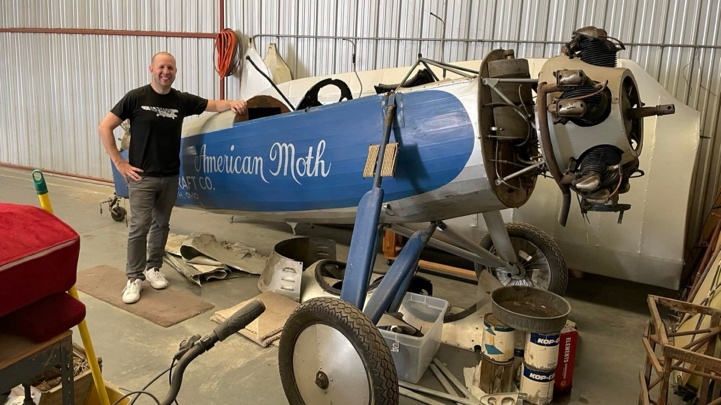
(151, 203)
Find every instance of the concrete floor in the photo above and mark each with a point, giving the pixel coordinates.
(610, 314)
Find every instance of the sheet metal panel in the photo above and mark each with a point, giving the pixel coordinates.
(142, 15)
(63, 85)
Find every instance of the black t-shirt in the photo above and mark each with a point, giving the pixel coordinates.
(156, 122)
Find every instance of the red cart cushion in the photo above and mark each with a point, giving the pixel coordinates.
(45, 318)
(38, 256)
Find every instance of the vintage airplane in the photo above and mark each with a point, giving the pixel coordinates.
(471, 144)
(452, 140)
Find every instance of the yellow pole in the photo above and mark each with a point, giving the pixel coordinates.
(42, 190)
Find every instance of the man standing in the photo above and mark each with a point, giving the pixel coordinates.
(156, 112)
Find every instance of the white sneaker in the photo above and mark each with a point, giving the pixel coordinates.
(131, 292)
(156, 278)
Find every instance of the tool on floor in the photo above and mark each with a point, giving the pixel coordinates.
(418, 397)
(439, 394)
(196, 345)
(42, 190)
(444, 381)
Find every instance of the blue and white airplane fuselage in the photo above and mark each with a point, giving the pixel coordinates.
(307, 165)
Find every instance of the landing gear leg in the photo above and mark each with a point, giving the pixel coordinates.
(537, 255)
(499, 236)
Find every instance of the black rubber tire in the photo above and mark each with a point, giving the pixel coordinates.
(549, 249)
(118, 214)
(360, 332)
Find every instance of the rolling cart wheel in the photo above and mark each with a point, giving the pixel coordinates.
(118, 213)
(331, 353)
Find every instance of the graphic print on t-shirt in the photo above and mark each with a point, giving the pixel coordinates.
(162, 112)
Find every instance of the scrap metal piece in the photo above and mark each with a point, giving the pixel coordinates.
(509, 398)
(444, 381)
(311, 287)
(462, 388)
(466, 333)
(283, 270)
(282, 275)
(418, 397)
(439, 394)
(235, 255)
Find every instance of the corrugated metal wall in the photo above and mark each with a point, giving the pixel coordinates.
(56, 87)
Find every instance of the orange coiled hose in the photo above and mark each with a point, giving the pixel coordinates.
(227, 53)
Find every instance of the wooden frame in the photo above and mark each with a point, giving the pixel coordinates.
(393, 243)
(694, 358)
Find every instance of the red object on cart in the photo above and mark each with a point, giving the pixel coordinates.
(38, 264)
(566, 358)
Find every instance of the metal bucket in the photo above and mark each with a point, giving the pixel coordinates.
(537, 385)
(495, 376)
(530, 309)
(498, 339)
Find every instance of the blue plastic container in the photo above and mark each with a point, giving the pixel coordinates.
(121, 186)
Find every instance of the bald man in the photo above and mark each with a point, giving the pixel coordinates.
(156, 112)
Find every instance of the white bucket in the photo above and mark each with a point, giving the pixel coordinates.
(498, 339)
(541, 351)
(537, 385)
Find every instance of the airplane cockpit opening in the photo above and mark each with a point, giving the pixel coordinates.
(423, 76)
(261, 107)
(262, 112)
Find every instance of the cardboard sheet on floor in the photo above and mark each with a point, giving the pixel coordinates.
(163, 307)
(266, 329)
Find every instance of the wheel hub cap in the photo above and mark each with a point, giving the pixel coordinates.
(328, 369)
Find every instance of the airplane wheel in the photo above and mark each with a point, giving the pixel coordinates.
(540, 256)
(331, 353)
(118, 213)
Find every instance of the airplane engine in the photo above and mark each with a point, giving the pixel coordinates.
(590, 122)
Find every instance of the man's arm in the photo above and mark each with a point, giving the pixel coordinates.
(238, 106)
(105, 129)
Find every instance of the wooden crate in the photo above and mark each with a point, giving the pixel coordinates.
(54, 396)
(113, 392)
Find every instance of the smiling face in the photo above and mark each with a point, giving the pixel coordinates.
(162, 68)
